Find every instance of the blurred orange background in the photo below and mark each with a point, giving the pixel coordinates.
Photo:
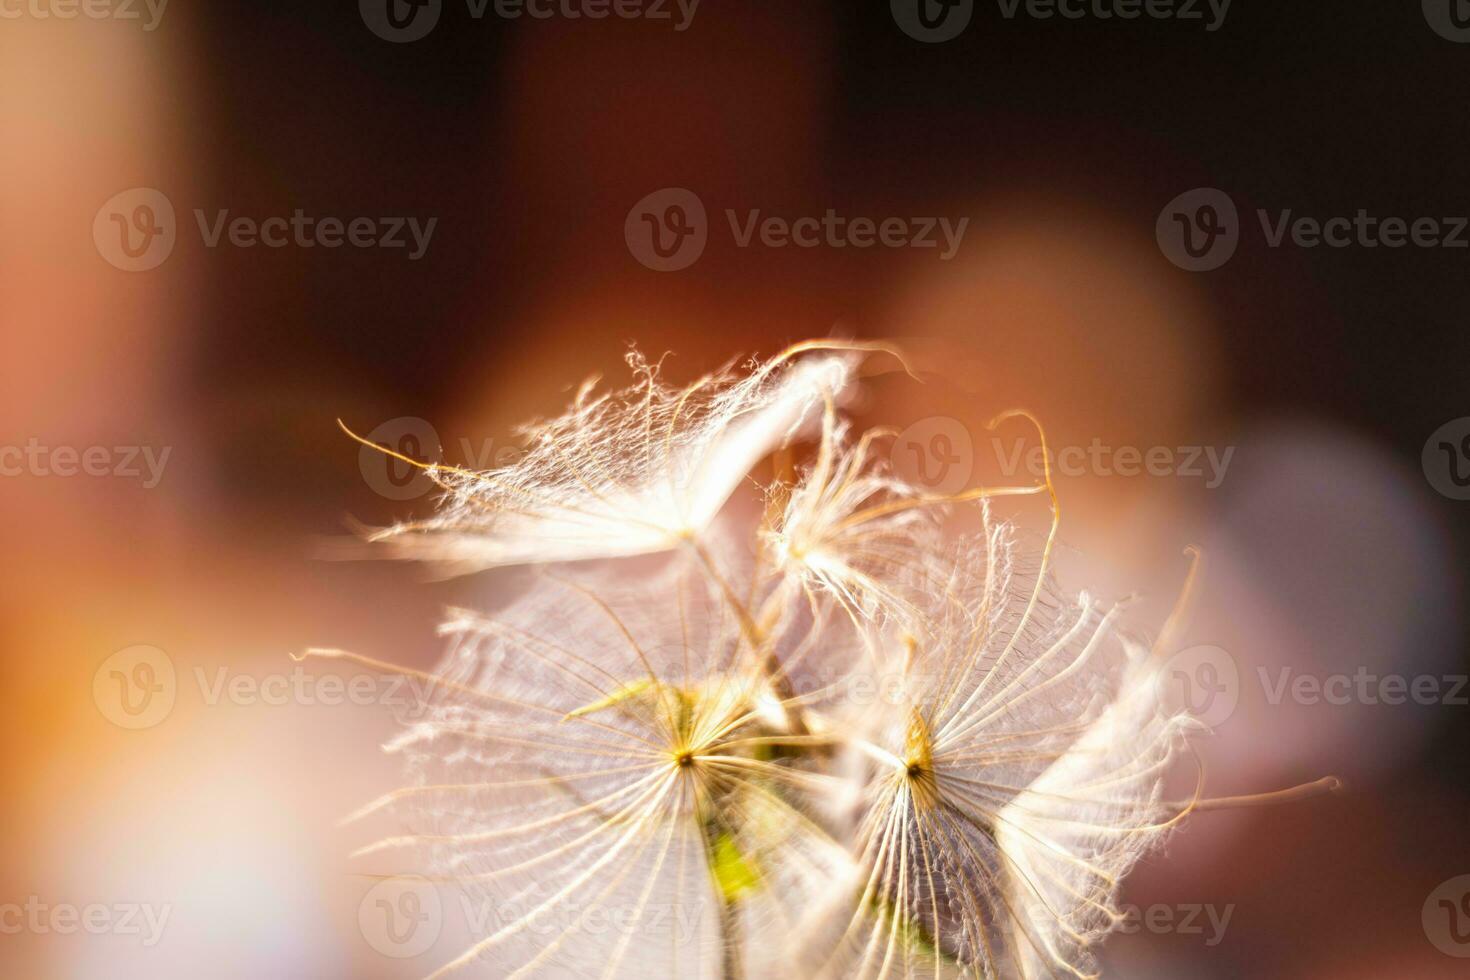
(1327, 549)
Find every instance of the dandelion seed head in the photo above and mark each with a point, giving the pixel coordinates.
(679, 739)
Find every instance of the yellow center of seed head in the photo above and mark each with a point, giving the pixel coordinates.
(919, 762)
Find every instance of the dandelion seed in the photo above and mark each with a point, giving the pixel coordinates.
(661, 770)
(855, 531)
(618, 768)
(1013, 785)
(626, 473)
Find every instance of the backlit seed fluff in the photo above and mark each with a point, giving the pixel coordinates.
(859, 731)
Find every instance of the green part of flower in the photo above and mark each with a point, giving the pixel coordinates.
(734, 874)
